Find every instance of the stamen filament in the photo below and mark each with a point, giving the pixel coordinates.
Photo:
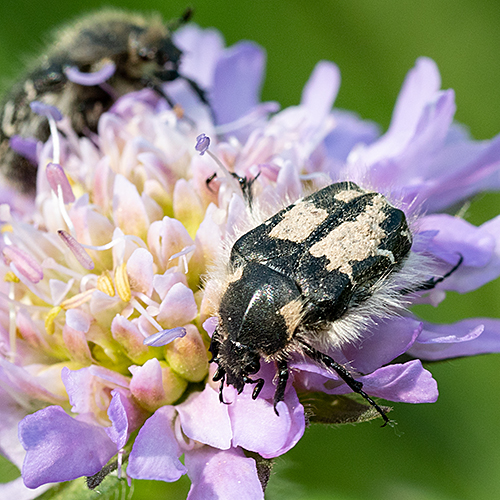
(140, 309)
(56, 144)
(259, 112)
(147, 300)
(115, 241)
(182, 255)
(31, 286)
(62, 209)
(12, 321)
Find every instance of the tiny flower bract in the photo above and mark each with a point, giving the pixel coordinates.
(107, 309)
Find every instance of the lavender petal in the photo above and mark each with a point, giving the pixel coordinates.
(24, 263)
(17, 489)
(156, 453)
(321, 90)
(60, 448)
(387, 340)
(197, 415)
(407, 383)
(222, 475)
(479, 247)
(256, 426)
(26, 147)
(118, 432)
(464, 338)
(237, 81)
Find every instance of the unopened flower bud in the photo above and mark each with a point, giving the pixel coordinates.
(155, 384)
(188, 355)
(130, 338)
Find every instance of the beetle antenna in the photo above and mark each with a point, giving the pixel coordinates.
(183, 19)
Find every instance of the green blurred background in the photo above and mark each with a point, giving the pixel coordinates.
(447, 450)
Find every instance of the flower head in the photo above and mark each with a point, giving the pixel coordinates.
(106, 319)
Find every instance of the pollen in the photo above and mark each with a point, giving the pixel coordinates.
(179, 111)
(10, 277)
(122, 283)
(7, 228)
(50, 326)
(105, 284)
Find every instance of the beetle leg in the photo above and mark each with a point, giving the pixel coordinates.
(432, 282)
(355, 385)
(279, 395)
(258, 387)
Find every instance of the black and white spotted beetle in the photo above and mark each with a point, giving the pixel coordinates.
(314, 274)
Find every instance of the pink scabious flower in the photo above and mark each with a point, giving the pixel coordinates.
(108, 267)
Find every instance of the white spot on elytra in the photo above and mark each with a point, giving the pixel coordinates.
(292, 314)
(354, 240)
(348, 195)
(299, 222)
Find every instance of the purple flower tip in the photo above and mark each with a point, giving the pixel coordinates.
(24, 263)
(47, 110)
(25, 147)
(210, 325)
(165, 337)
(57, 177)
(202, 144)
(89, 79)
(78, 251)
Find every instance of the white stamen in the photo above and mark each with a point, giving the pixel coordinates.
(116, 241)
(315, 175)
(31, 286)
(64, 212)
(182, 254)
(259, 112)
(56, 144)
(119, 460)
(28, 307)
(12, 322)
(88, 281)
(184, 251)
(184, 442)
(50, 263)
(147, 300)
(144, 313)
(231, 180)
